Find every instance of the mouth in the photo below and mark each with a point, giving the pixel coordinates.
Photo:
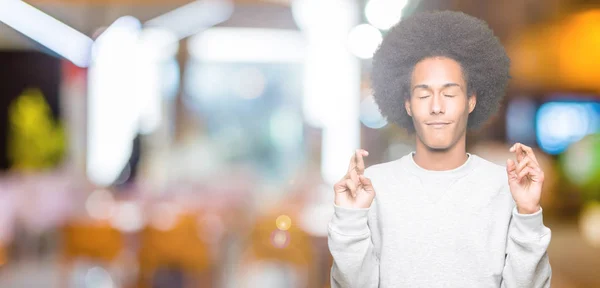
(437, 124)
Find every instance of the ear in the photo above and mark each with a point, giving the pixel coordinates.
(472, 103)
(407, 106)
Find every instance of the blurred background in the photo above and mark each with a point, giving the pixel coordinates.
(195, 143)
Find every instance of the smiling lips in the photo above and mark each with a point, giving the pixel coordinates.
(437, 124)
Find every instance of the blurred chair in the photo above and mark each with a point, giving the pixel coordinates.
(177, 247)
(3, 257)
(286, 248)
(91, 240)
(328, 267)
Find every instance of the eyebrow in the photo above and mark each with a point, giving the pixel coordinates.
(425, 86)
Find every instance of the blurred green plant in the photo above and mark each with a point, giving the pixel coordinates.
(581, 165)
(35, 141)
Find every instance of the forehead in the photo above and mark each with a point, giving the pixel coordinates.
(437, 71)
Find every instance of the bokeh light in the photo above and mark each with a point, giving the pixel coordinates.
(561, 123)
(98, 277)
(579, 161)
(581, 164)
(589, 224)
(384, 14)
(164, 216)
(363, 40)
(280, 239)
(128, 217)
(100, 204)
(283, 222)
(370, 115)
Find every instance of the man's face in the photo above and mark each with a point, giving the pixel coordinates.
(438, 103)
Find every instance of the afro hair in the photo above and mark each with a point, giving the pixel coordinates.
(455, 35)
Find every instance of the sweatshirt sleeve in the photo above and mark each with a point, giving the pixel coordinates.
(355, 262)
(527, 263)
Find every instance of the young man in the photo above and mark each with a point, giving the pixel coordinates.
(440, 217)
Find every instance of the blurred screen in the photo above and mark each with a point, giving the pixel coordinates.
(559, 123)
(252, 108)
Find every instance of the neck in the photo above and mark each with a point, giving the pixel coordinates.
(440, 160)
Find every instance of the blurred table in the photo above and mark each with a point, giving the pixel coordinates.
(574, 263)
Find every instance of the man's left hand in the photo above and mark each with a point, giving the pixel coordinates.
(525, 179)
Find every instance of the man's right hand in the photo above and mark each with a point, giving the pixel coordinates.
(355, 190)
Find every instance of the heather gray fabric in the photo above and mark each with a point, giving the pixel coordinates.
(454, 228)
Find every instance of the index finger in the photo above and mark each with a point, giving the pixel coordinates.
(529, 152)
(523, 151)
(356, 162)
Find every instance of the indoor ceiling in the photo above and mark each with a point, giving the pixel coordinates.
(87, 16)
(505, 17)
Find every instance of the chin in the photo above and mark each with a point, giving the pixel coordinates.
(439, 140)
(438, 146)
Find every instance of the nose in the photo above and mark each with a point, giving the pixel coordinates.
(437, 104)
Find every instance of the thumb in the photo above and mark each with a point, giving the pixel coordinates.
(511, 170)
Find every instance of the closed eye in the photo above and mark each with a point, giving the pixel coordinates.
(423, 97)
(450, 96)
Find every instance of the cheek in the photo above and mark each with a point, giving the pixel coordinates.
(419, 111)
(458, 109)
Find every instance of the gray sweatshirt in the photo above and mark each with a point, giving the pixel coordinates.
(454, 228)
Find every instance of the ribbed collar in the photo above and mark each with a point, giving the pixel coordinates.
(408, 163)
